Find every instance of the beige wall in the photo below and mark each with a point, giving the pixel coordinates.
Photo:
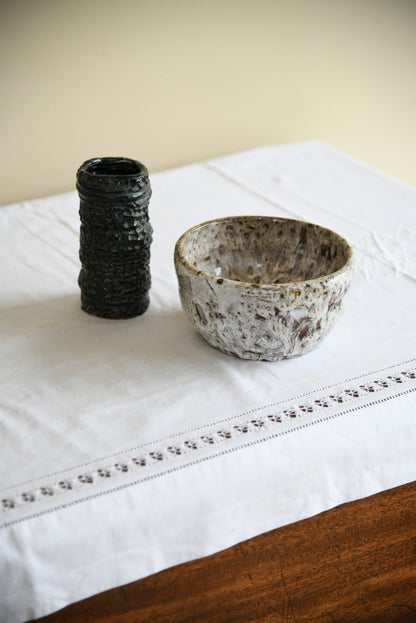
(173, 81)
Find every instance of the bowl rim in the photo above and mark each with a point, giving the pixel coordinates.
(180, 258)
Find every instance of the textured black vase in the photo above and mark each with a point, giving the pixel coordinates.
(115, 237)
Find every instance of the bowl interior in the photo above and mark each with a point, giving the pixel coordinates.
(264, 250)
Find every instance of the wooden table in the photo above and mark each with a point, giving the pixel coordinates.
(354, 563)
(129, 450)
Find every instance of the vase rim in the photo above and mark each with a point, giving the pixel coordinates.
(112, 166)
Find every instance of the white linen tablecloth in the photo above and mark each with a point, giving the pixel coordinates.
(128, 446)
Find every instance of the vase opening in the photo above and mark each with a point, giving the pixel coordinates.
(113, 166)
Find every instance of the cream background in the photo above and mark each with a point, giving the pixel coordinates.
(170, 82)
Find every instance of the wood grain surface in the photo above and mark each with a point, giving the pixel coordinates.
(355, 563)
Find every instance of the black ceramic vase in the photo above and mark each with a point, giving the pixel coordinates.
(115, 237)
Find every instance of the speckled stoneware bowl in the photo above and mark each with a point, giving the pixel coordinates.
(260, 287)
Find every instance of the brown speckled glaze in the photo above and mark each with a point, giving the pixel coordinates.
(260, 287)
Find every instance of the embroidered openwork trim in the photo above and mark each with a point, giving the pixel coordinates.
(258, 425)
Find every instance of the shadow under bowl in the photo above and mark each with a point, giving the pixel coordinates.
(260, 287)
